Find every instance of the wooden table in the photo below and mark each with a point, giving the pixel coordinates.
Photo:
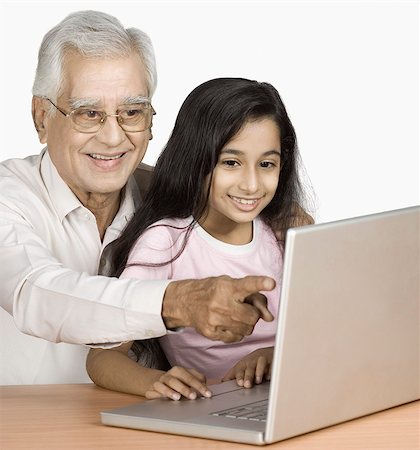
(67, 417)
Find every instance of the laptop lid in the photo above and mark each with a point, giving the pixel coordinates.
(348, 339)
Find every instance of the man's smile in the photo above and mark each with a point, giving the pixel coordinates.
(106, 157)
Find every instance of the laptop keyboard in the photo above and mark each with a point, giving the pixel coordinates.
(253, 411)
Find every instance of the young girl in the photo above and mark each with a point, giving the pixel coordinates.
(227, 177)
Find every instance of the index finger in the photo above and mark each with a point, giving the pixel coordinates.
(259, 301)
(253, 283)
(199, 383)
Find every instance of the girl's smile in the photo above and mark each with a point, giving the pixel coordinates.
(245, 204)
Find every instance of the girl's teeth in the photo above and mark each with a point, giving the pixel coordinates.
(244, 201)
(107, 158)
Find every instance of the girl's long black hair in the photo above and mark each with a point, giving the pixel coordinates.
(212, 114)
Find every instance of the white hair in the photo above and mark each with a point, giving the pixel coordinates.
(93, 34)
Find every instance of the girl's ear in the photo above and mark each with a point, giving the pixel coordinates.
(40, 118)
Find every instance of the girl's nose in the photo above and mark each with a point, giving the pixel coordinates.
(249, 182)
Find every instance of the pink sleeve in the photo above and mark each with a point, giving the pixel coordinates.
(155, 246)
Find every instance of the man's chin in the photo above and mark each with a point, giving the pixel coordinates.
(108, 183)
(105, 187)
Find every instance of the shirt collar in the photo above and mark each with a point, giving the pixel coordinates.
(62, 197)
(130, 200)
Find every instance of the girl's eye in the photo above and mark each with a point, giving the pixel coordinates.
(267, 164)
(230, 163)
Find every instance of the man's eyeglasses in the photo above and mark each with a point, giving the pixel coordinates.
(131, 118)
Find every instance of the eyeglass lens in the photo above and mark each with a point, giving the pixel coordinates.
(134, 118)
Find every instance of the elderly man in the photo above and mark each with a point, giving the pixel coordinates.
(60, 209)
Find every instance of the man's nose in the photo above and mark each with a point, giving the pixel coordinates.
(111, 133)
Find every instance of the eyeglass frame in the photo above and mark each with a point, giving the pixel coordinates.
(103, 119)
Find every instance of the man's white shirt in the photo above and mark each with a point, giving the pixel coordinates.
(50, 255)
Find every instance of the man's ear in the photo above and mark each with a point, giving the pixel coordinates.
(40, 118)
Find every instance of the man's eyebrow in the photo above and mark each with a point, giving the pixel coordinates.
(75, 103)
(233, 151)
(135, 100)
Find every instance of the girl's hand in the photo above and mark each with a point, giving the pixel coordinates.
(179, 381)
(252, 369)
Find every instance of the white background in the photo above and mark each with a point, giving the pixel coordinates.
(348, 73)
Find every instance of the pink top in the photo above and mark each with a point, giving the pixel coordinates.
(205, 256)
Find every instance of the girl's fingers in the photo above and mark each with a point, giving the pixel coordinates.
(160, 389)
(261, 369)
(240, 376)
(181, 388)
(184, 379)
(178, 382)
(249, 374)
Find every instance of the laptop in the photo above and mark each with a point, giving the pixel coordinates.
(347, 341)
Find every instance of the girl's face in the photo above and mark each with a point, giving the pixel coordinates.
(244, 181)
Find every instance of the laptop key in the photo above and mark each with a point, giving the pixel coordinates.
(256, 411)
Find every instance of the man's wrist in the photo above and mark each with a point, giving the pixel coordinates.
(175, 313)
